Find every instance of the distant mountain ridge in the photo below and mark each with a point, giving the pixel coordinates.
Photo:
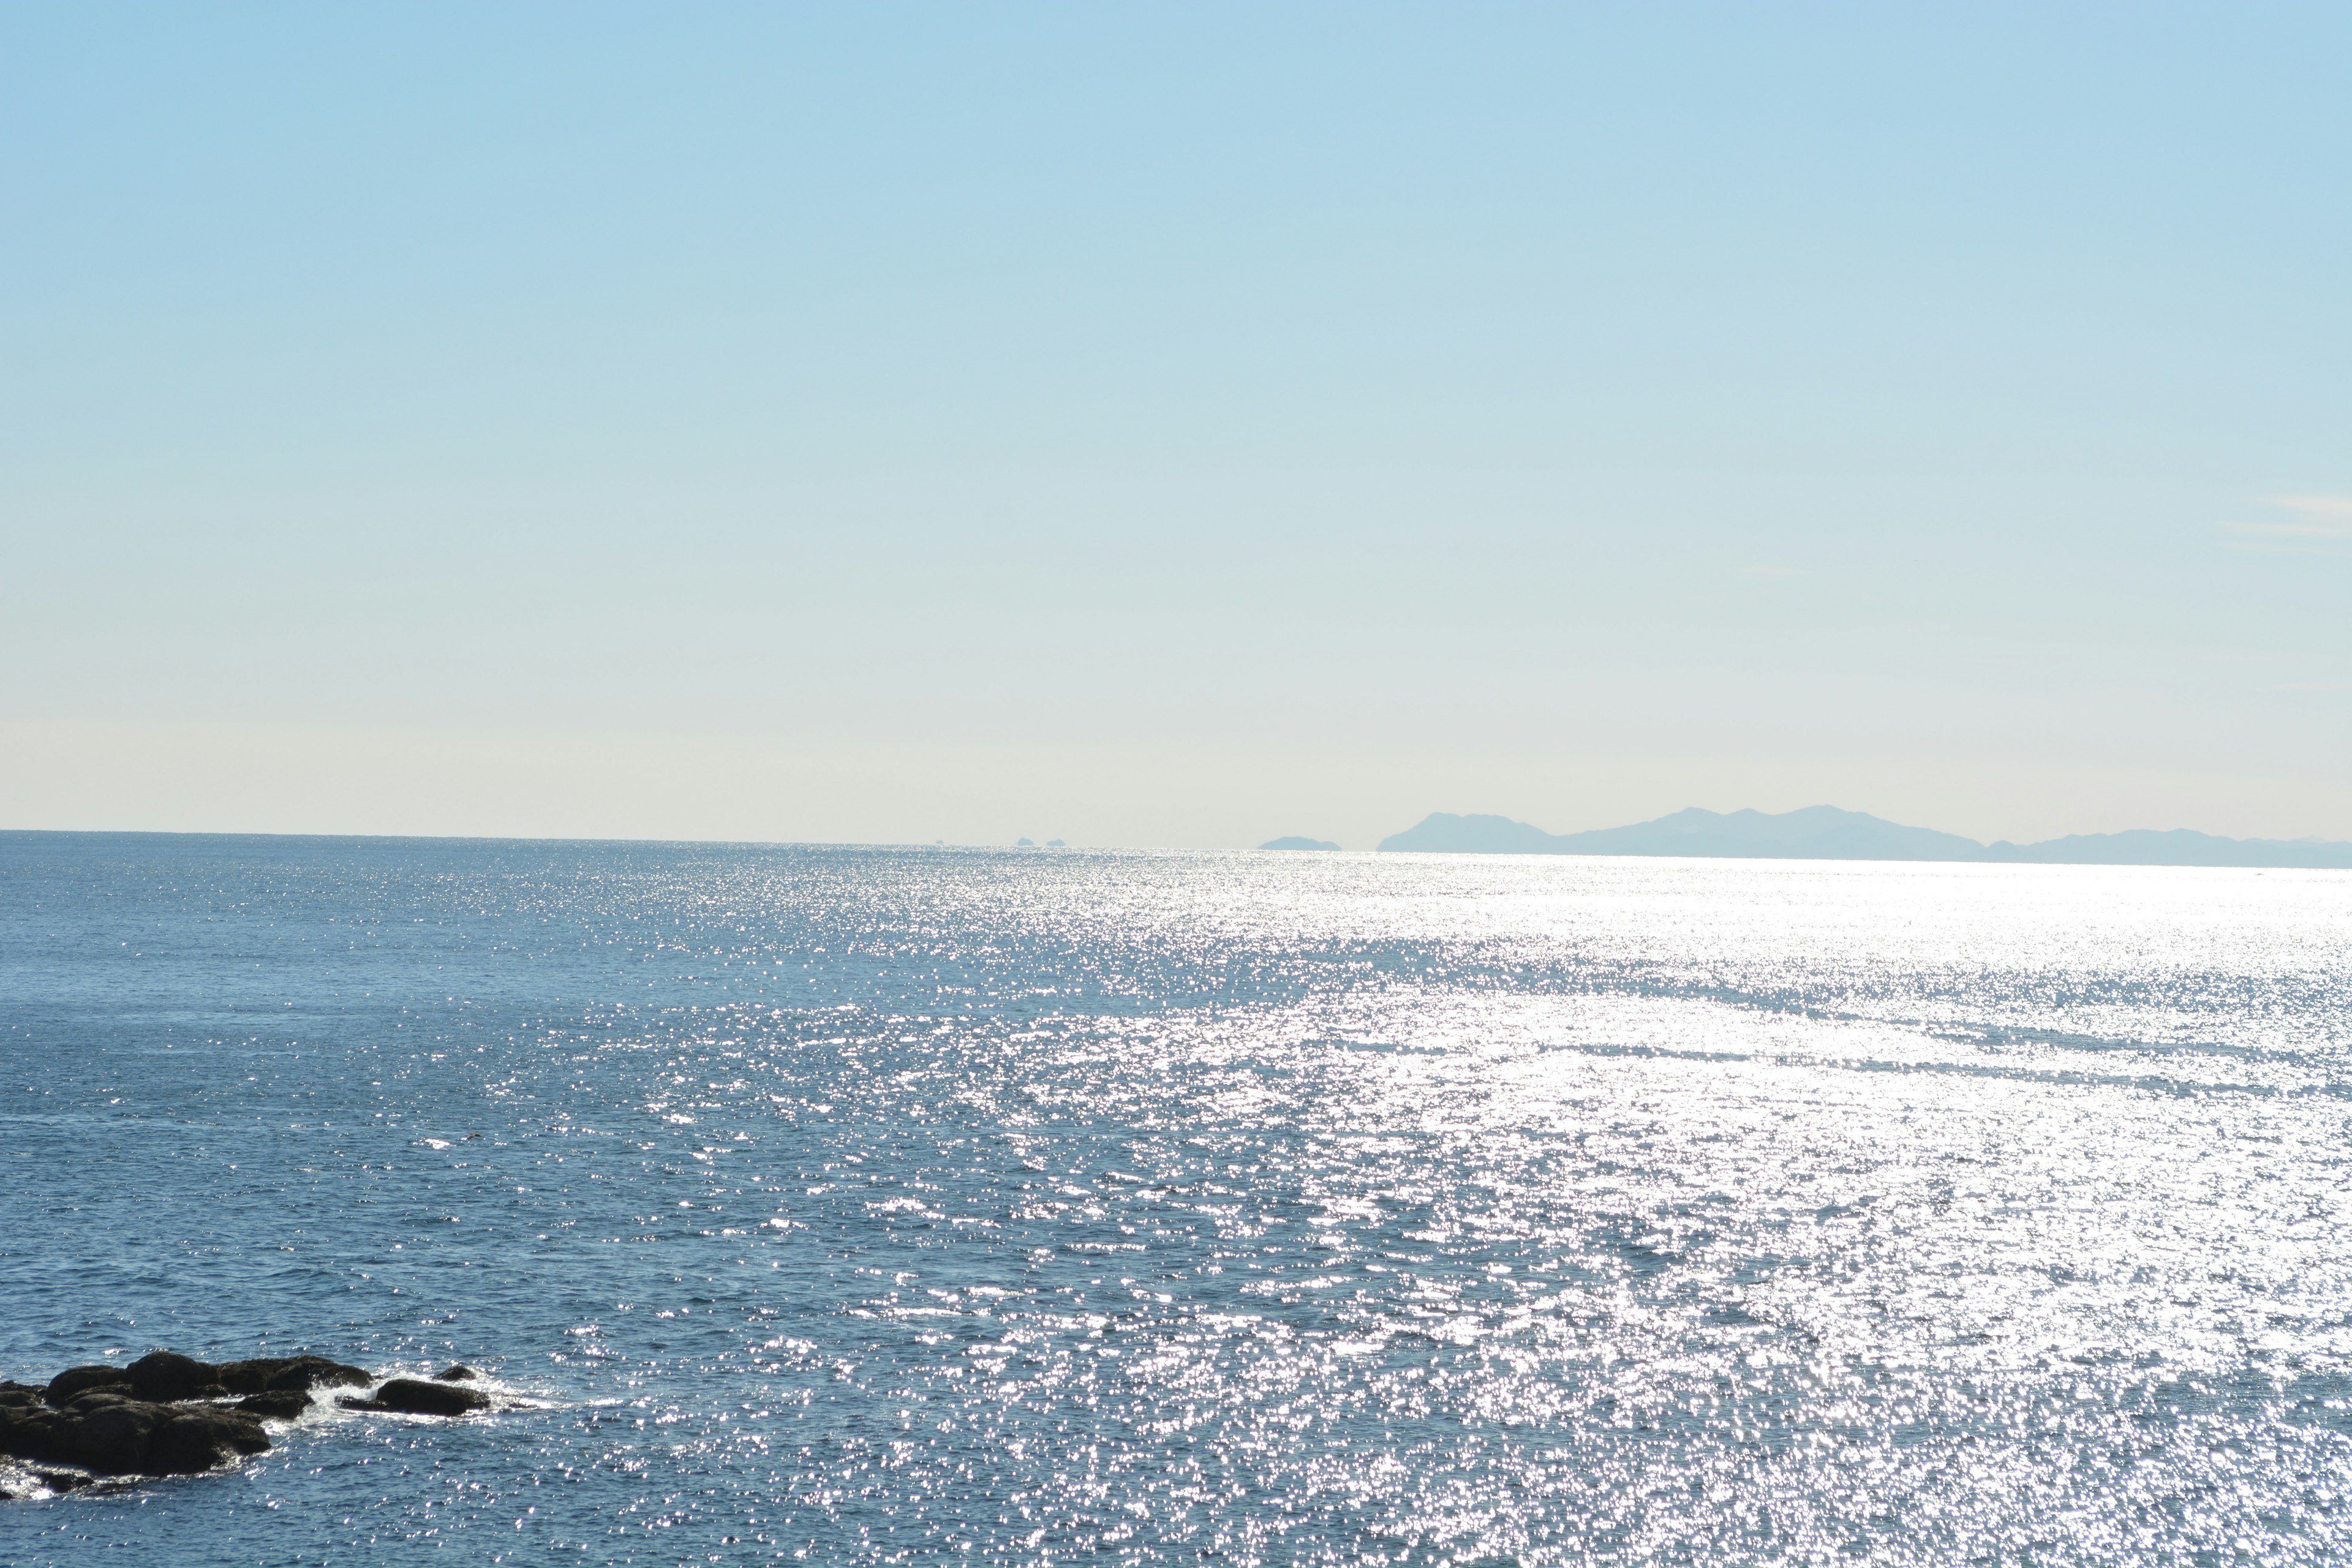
(1829, 833)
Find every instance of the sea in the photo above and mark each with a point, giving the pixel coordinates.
(882, 1205)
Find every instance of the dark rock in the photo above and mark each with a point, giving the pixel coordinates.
(128, 1436)
(27, 1431)
(282, 1406)
(164, 1377)
(104, 1394)
(417, 1397)
(270, 1374)
(104, 1431)
(188, 1441)
(247, 1376)
(308, 1371)
(74, 1379)
(149, 1417)
(99, 1429)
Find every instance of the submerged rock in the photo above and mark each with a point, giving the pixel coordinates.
(458, 1373)
(413, 1396)
(33, 1481)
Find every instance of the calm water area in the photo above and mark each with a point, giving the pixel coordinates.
(877, 1206)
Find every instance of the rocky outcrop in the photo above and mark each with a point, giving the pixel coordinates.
(168, 1415)
(166, 1377)
(111, 1434)
(301, 1372)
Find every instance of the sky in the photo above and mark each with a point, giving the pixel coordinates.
(1173, 425)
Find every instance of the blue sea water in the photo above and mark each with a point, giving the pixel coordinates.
(874, 1205)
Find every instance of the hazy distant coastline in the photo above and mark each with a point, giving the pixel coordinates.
(1828, 833)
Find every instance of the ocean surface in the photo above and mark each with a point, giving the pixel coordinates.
(874, 1205)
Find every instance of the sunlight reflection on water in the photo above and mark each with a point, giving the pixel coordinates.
(1276, 1208)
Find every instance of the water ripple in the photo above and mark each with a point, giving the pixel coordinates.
(881, 1206)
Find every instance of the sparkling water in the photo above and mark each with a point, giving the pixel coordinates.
(1055, 1206)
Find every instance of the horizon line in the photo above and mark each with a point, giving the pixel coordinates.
(996, 844)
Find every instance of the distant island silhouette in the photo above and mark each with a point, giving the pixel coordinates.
(1294, 842)
(1828, 833)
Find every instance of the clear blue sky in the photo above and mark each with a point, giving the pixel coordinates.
(1173, 425)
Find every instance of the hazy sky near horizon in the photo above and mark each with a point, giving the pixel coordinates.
(1160, 424)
